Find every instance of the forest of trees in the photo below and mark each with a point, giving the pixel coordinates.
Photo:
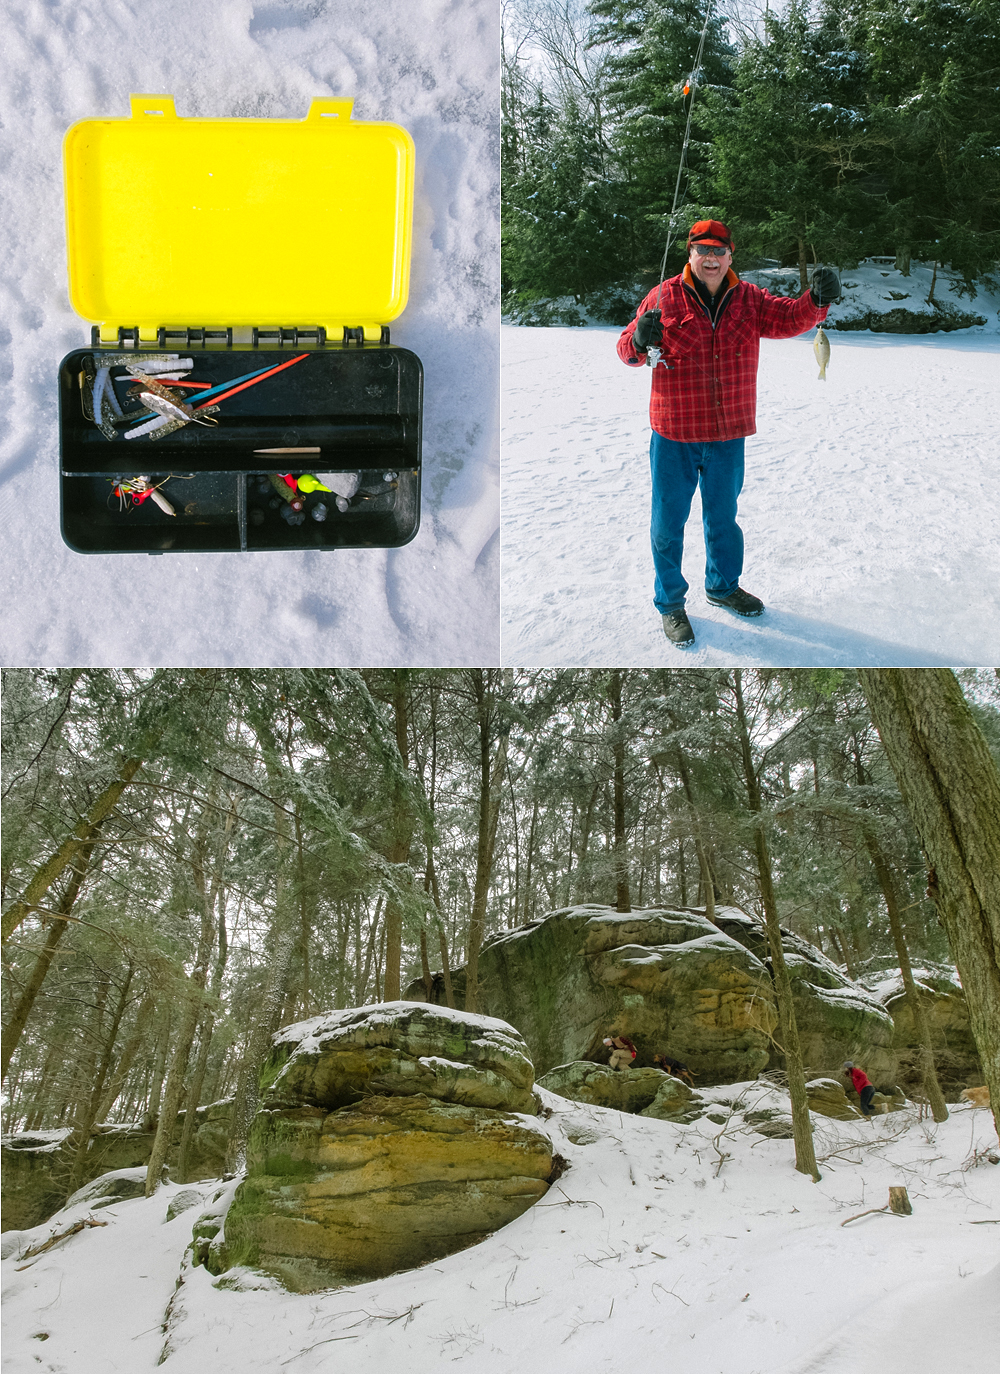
(823, 130)
(193, 858)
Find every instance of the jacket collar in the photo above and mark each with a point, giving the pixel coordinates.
(687, 276)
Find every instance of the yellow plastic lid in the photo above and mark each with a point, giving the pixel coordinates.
(238, 222)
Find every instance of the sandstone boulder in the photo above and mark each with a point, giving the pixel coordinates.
(400, 1048)
(670, 980)
(828, 1097)
(390, 1136)
(837, 1019)
(626, 1090)
(676, 983)
(105, 1191)
(38, 1164)
(942, 997)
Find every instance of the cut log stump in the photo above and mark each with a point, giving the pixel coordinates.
(899, 1202)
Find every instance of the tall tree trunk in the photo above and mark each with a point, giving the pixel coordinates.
(161, 1048)
(84, 1127)
(258, 1046)
(14, 1028)
(932, 1088)
(622, 900)
(82, 836)
(805, 1154)
(581, 889)
(402, 835)
(707, 879)
(491, 774)
(124, 1066)
(951, 788)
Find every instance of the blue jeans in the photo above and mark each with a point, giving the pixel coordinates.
(677, 470)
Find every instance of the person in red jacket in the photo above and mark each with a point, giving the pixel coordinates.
(862, 1086)
(622, 1051)
(707, 326)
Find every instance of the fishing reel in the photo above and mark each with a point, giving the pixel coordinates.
(653, 356)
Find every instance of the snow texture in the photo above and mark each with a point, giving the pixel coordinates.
(309, 1035)
(648, 1253)
(866, 510)
(430, 65)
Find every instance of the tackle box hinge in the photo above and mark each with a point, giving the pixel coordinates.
(200, 337)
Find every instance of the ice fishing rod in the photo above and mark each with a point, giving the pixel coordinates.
(690, 86)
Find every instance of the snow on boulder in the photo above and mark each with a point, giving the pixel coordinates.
(400, 1048)
(643, 1092)
(668, 979)
(112, 1187)
(390, 1136)
(942, 997)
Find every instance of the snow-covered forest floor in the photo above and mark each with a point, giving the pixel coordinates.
(866, 508)
(696, 1248)
(430, 65)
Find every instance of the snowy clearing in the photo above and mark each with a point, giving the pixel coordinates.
(869, 507)
(430, 65)
(644, 1251)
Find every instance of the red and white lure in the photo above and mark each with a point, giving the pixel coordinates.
(132, 491)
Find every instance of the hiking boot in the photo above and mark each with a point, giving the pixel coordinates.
(739, 601)
(677, 628)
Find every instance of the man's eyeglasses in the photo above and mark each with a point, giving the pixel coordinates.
(705, 250)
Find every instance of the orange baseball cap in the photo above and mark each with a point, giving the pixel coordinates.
(711, 231)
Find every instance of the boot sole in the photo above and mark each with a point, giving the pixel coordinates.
(747, 615)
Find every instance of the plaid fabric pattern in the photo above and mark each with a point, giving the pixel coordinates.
(708, 390)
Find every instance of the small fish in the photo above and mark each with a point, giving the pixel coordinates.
(821, 347)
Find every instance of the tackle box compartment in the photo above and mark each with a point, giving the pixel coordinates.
(241, 222)
(360, 405)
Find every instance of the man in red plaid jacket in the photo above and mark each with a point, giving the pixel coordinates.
(701, 331)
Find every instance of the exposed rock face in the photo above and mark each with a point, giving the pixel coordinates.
(390, 1136)
(827, 1097)
(674, 983)
(397, 1048)
(837, 1019)
(37, 1165)
(626, 1090)
(669, 980)
(956, 1057)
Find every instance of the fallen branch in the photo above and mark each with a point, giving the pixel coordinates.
(898, 1205)
(866, 1214)
(671, 1293)
(574, 1202)
(62, 1235)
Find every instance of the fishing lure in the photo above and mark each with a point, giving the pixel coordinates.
(135, 490)
(155, 366)
(173, 410)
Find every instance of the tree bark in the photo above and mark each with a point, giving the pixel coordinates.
(805, 1154)
(14, 1028)
(402, 834)
(951, 788)
(623, 901)
(53, 868)
(491, 772)
(932, 1088)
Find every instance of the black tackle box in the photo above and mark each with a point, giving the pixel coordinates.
(240, 222)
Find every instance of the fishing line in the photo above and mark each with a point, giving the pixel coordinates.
(692, 86)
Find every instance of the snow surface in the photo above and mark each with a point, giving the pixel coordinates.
(868, 508)
(308, 1035)
(430, 65)
(645, 1255)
